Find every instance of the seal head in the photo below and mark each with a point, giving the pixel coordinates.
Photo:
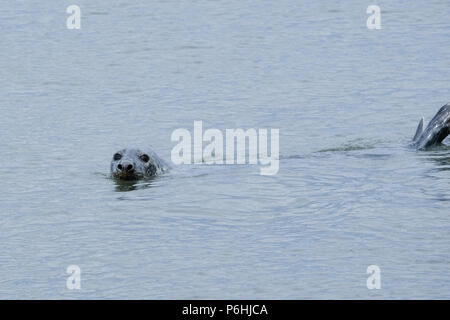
(134, 164)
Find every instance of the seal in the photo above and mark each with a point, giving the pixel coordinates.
(134, 164)
(436, 131)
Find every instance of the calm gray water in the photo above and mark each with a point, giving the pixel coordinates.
(349, 192)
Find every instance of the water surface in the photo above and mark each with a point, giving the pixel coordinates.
(349, 192)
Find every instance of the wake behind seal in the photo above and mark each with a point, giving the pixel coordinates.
(134, 164)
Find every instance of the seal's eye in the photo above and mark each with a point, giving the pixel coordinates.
(145, 158)
(117, 156)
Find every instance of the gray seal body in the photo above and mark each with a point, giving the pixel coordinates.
(436, 131)
(133, 164)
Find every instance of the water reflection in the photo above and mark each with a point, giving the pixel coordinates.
(442, 161)
(131, 185)
(440, 156)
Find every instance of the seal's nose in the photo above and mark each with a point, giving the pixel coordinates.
(125, 166)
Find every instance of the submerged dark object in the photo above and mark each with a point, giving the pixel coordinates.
(436, 131)
(134, 164)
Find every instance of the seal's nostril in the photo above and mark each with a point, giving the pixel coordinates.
(119, 166)
(130, 167)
